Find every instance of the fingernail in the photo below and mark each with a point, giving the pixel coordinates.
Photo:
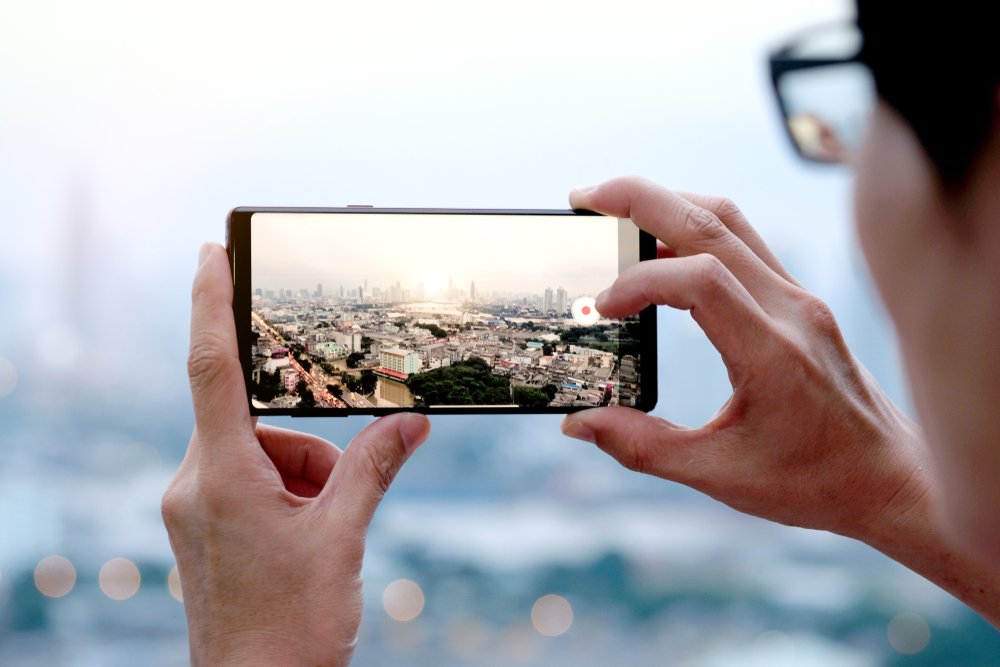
(574, 429)
(206, 249)
(413, 430)
(600, 299)
(585, 189)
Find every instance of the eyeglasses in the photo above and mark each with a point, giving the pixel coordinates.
(825, 92)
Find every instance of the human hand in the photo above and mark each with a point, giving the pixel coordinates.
(268, 525)
(807, 437)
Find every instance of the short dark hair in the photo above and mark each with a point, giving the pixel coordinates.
(938, 65)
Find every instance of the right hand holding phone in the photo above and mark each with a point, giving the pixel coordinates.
(807, 437)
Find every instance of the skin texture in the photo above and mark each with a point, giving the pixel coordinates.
(807, 437)
(935, 257)
(268, 525)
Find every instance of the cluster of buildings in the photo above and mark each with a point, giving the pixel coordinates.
(550, 301)
(396, 343)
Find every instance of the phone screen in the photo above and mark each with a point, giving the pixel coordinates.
(373, 311)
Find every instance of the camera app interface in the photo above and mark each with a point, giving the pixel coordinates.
(363, 311)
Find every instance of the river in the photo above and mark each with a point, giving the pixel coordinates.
(392, 394)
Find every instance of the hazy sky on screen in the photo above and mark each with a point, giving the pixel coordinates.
(500, 253)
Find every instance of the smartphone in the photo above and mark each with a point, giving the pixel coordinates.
(370, 311)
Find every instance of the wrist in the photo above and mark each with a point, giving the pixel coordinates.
(909, 528)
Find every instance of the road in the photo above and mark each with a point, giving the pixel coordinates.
(324, 398)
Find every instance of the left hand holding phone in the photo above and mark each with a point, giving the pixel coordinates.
(268, 525)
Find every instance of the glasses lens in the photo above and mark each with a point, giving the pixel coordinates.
(827, 109)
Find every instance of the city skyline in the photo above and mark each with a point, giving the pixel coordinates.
(298, 250)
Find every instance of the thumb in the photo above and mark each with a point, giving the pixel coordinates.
(641, 442)
(367, 467)
(217, 384)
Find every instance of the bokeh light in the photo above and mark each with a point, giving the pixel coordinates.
(174, 584)
(8, 377)
(552, 615)
(403, 600)
(773, 649)
(909, 633)
(120, 579)
(55, 576)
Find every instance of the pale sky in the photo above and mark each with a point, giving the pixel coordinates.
(503, 253)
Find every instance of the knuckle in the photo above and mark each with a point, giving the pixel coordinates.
(632, 455)
(702, 224)
(173, 505)
(728, 210)
(712, 275)
(820, 317)
(637, 184)
(205, 357)
(381, 469)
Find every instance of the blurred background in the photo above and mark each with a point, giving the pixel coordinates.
(128, 130)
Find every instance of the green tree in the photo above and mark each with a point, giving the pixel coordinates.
(305, 393)
(434, 329)
(368, 382)
(354, 359)
(531, 397)
(268, 387)
(469, 382)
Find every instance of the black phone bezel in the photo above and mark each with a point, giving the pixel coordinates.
(238, 248)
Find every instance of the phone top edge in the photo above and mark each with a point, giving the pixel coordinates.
(413, 211)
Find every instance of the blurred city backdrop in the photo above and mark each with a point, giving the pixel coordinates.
(128, 130)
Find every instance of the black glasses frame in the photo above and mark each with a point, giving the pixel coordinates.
(781, 63)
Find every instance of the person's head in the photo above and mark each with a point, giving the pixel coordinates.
(928, 213)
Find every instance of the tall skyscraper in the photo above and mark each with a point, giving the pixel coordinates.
(420, 291)
(548, 300)
(472, 292)
(399, 292)
(366, 286)
(560, 301)
(361, 293)
(341, 290)
(319, 290)
(259, 291)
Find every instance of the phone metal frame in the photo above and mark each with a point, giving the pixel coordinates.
(238, 247)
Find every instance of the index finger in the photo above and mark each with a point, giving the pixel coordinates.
(221, 409)
(688, 229)
(734, 220)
